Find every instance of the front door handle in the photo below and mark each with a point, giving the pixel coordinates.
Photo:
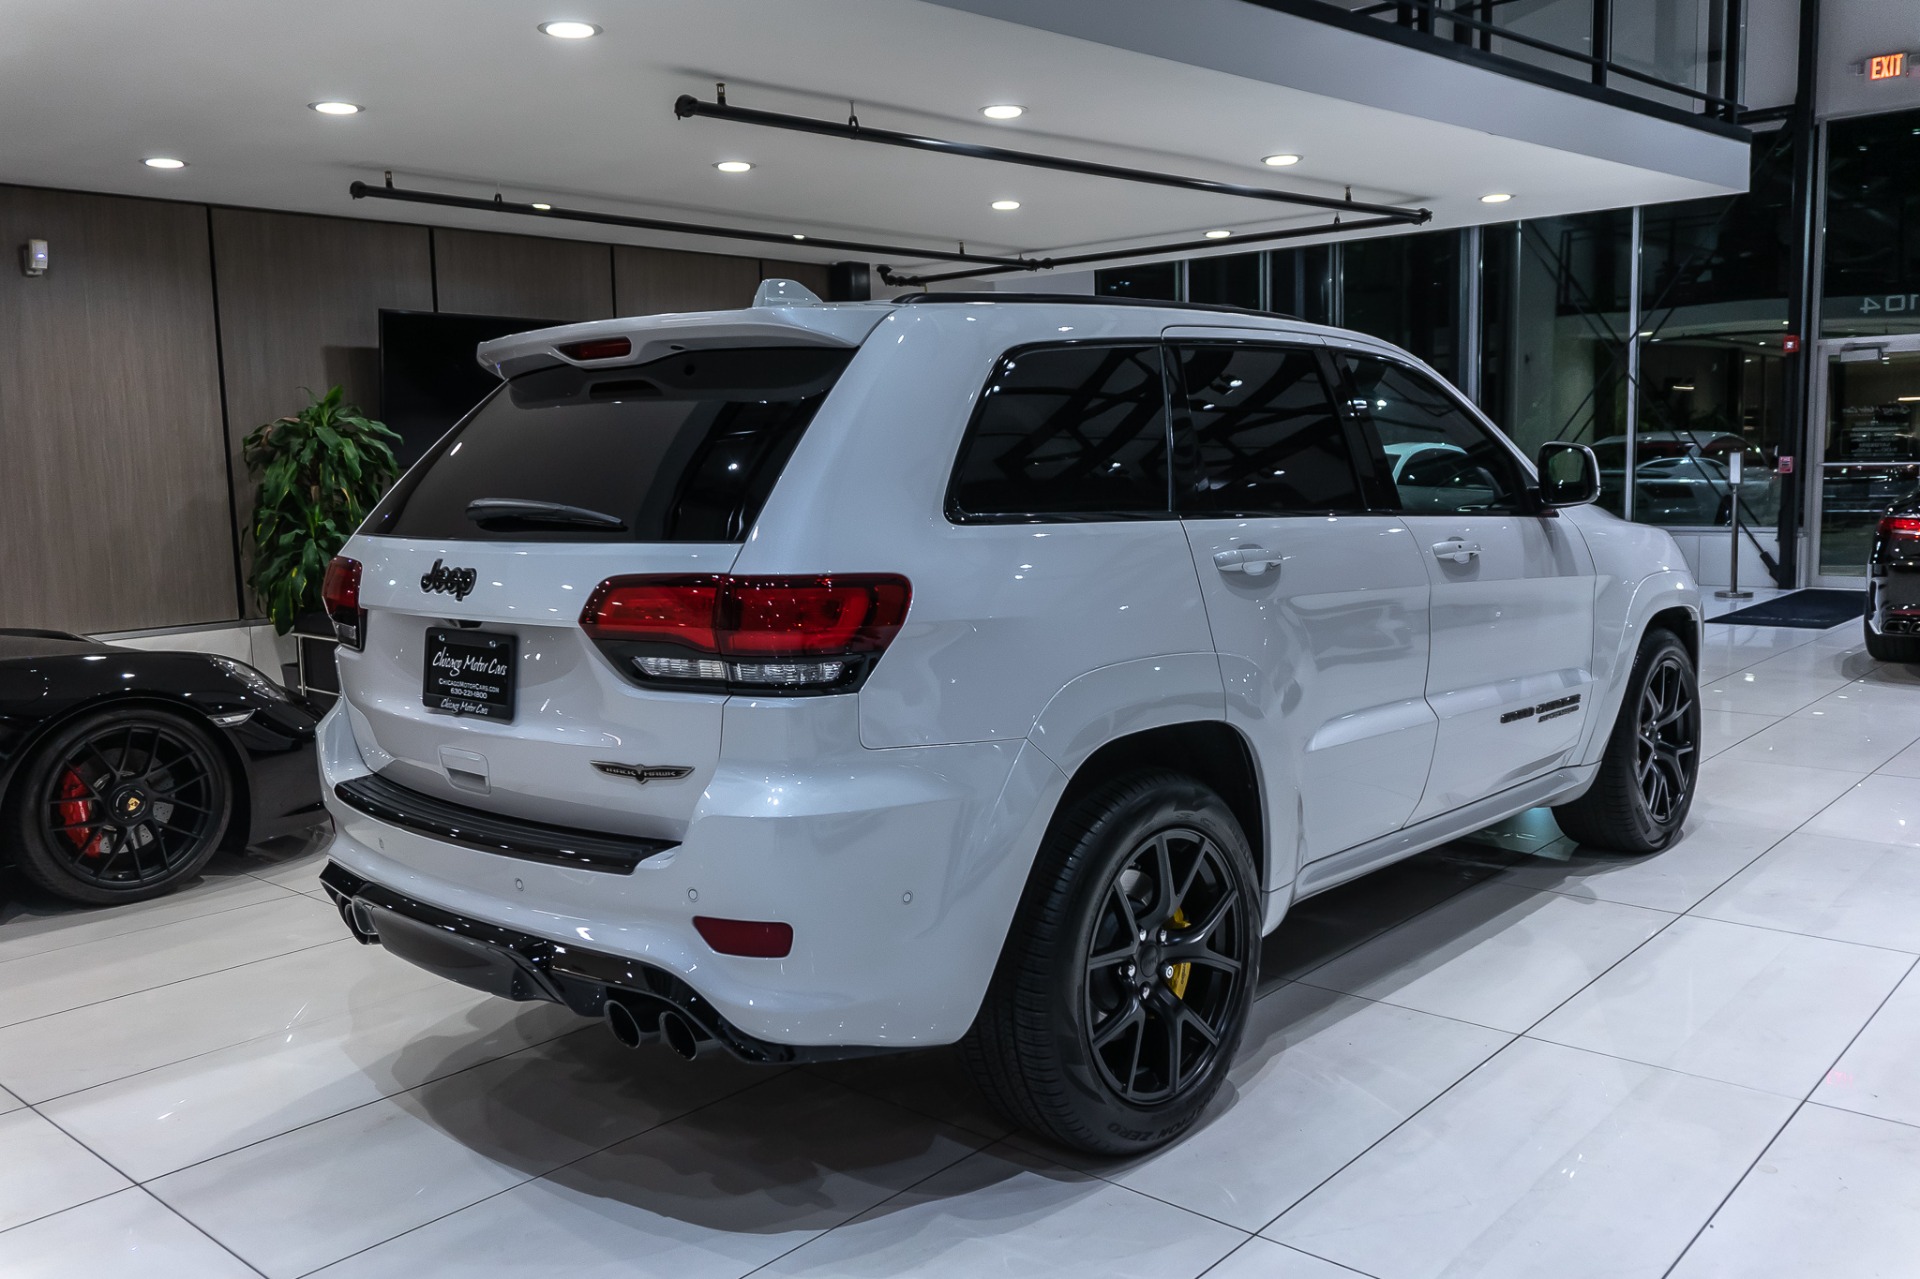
(1457, 549)
(1251, 560)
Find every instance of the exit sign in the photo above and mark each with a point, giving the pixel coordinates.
(1886, 66)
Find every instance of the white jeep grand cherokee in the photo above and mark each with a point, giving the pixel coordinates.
(811, 680)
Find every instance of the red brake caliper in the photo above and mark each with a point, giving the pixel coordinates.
(75, 809)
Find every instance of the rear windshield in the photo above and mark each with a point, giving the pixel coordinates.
(683, 449)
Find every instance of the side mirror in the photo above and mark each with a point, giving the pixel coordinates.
(1569, 475)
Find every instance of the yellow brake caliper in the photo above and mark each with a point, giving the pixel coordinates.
(1181, 972)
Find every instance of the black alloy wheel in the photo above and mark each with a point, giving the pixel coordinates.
(1127, 975)
(1644, 788)
(121, 806)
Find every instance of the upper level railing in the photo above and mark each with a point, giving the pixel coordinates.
(1669, 57)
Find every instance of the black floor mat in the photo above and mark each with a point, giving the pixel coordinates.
(1814, 610)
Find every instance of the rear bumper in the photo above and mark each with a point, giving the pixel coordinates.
(1893, 598)
(899, 871)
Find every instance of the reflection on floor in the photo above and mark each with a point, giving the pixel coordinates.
(1508, 1057)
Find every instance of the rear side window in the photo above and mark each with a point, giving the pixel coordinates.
(1265, 436)
(683, 449)
(1067, 432)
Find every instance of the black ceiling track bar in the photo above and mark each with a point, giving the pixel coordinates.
(1336, 227)
(990, 262)
(687, 106)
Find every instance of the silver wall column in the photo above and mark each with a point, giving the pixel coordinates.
(1633, 365)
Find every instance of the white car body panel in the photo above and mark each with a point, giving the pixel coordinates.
(895, 827)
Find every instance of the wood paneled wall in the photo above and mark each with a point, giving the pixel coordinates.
(117, 431)
(113, 479)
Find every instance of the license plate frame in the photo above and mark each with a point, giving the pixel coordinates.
(464, 672)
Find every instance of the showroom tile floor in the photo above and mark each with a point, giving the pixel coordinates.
(1481, 1062)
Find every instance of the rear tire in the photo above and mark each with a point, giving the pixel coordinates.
(1124, 985)
(1890, 648)
(1647, 777)
(119, 806)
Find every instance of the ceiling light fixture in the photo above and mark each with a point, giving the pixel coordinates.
(569, 30)
(1910, 399)
(733, 166)
(1006, 206)
(1003, 111)
(1218, 235)
(335, 108)
(1280, 161)
(543, 206)
(163, 162)
(798, 236)
(1497, 197)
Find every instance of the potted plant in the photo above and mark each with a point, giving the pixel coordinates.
(320, 472)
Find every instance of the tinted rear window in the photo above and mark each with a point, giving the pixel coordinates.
(683, 449)
(1072, 432)
(1266, 437)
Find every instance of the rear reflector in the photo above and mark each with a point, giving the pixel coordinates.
(340, 595)
(597, 349)
(1900, 527)
(783, 633)
(755, 939)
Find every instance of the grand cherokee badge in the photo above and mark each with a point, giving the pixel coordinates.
(457, 582)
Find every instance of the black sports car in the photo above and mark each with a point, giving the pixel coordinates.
(122, 770)
(1893, 585)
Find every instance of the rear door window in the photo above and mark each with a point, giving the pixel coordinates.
(1066, 433)
(683, 449)
(1259, 433)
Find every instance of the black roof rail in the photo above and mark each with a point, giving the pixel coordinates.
(1091, 299)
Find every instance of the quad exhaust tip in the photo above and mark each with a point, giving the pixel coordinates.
(634, 1022)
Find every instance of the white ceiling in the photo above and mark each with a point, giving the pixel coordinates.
(467, 96)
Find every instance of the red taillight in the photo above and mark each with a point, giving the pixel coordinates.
(1900, 527)
(780, 632)
(597, 349)
(756, 939)
(340, 594)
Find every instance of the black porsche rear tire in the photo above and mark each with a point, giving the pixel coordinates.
(119, 806)
(1647, 778)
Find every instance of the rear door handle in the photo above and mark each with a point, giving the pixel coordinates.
(1251, 560)
(1457, 549)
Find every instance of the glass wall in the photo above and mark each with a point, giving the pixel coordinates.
(1872, 280)
(1233, 281)
(1406, 289)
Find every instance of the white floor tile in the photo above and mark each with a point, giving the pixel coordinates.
(932, 1083)
(1334, 1074)
(1047, 1221)
(1545, 1161)
(1905, 764)
(1877, 1076)
(1259, 1258)
(36, 985)
(32, 928)
(125, 1236)
(1833, 1196)
(1813, 740)
(709, 1196)
(1748, 1006)
(163, 1119)
(1869, 707)
(372, 1173)
(9, 1102)
(1765, 689)
(1720, 729)
(1778, 796)
(1845, 889)
(1706, 855)
(1334, 922)
(1496, 955)
(42, 1171)
(296, 867)
(66, 1052)
(1881, 809)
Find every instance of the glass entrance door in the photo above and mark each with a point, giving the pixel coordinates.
(1871, 453)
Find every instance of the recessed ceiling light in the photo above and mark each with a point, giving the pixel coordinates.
(1003, 111)
(164, 162)
(1497, 197)
(543, 206)
(1280, 161)
(1218, 235)
(798, 236)
(1006, 206)
(335, 108)
(570, 30)
(733, 166)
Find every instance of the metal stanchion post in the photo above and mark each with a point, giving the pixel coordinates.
(1733, 591)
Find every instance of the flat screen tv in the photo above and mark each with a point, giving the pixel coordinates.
(428, 376)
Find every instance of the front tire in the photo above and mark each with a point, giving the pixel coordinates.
(119, 806)
(1646, 783)
(1125, 981)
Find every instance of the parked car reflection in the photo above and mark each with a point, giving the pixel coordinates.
(1681, 478)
